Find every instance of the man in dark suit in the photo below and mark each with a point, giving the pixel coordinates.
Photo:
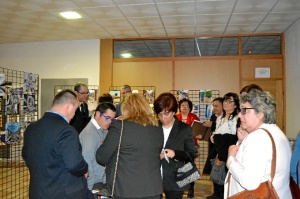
(52, 153)
(81, 117)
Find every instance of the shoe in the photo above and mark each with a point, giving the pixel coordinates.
(190, 193)
(214, 196)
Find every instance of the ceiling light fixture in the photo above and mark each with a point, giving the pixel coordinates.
(126, 55)
(70, 15)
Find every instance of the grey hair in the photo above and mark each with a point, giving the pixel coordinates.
(262, 102)
(125, 87)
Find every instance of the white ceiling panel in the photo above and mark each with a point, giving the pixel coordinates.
(39, 20)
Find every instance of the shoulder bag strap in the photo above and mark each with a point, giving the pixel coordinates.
(273, 164)
(116, 167)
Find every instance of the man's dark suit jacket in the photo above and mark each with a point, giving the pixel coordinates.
(80, 119)
(180, 140)
(138, 171)
(53, 155)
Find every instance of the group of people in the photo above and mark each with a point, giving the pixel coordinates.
(138, 155)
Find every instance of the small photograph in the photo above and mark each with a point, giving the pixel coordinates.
(2, 84)
(183, 94)
(29, 105)
(12, 132)
(29, 82)
(12, 103)
(92, 95)
(116, 94)
(149, 95)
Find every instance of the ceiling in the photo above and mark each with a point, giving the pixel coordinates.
(39, 20)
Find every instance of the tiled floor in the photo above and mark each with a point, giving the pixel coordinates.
(203, 188)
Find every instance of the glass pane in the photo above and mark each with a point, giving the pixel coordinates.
(226, 46)
(262, 45)
(143, 48)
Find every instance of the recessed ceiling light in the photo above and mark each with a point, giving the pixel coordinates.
(126, 55)
(70, 15)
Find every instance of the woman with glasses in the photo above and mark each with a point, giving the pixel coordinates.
(249, 162)
(225, 135)
(138, 170)
(178, 145)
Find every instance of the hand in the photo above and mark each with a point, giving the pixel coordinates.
(212, 138)
(86, 175)
(170, 153)
(232, 150)
(241, 133)
(199, 137)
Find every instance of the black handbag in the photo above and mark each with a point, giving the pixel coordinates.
(187, 174)
(218, 172)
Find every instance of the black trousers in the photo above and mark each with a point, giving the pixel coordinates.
(174, 194)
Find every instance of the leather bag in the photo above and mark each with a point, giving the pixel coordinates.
(265, 189)
(187, 174)
(218, 172)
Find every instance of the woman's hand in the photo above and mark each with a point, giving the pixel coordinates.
(232, 150)
(170, 153)
(241, 133)
(212, 138)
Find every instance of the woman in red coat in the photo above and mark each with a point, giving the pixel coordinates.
(185, 115)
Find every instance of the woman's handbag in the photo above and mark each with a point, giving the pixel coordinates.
(265, 189)
(102, 188)
(218, 172)
(187, 174)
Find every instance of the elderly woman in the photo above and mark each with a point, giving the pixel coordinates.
(250, 162)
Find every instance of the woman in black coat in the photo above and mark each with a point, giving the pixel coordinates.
(179, 146)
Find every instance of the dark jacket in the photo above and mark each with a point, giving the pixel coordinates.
(52, 153)
(180, 140)
(138, 171)
(80, 119)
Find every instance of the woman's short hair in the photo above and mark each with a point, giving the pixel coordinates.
(165, 102)
(188, 101)
(136, 108)
(262, 102)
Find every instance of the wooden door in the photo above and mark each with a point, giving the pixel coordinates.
(275, 87)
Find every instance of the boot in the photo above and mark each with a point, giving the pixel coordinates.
(191, 192)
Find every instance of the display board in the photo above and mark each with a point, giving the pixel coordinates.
(19, 107)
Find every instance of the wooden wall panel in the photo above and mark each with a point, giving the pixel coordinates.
(155, 73)
(106, 56)
(249, 65)
(220, 75)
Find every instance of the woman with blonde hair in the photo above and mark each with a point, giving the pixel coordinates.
(138, 170)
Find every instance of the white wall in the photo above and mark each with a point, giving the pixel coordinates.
(292, 42)
(58, 59)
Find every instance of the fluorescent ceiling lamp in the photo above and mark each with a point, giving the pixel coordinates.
(126, 55)
(70, 15)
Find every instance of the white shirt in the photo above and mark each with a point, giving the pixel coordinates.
(252, 163)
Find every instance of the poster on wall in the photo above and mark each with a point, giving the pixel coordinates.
(92, 95)
(149, 95)
(29, 82)
(182, 94)
(12, 132)
(116, 94)
(12, 103)
(29, 105)
(2, 84)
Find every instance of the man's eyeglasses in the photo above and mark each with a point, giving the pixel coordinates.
(107, 118)
(83, 93)
(166, 113)
(228, 100)
(125, 93)
(244, 110)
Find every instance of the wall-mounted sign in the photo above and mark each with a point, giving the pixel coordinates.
(262, 73)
